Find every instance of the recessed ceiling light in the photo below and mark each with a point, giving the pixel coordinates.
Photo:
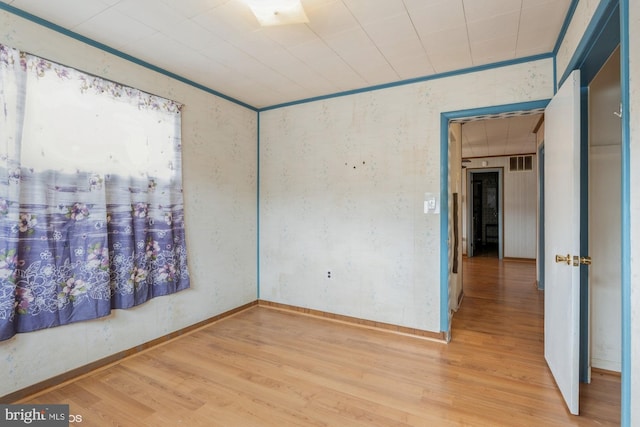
(278, 12)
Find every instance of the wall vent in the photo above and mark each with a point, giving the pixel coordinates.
(520, 163)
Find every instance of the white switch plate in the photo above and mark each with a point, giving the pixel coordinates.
(431, 203)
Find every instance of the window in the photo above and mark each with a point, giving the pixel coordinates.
(91, 210)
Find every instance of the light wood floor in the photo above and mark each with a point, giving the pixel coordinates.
(265, 367)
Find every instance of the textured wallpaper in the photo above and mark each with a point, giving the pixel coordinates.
(342, 189)
(581, 18)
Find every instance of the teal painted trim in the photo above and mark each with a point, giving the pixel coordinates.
(593, 31)
(565, 25)
(444, 223)
(555, 75)
(48, 24)
(541, 217)
(414, 80)
(258, 206)
(445, 117)
(625, 398)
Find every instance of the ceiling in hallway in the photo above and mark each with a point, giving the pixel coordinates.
(504, 135)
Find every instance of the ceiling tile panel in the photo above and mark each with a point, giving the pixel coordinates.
(114, 28)
(393, 32)
(258, 46)
(288, 36)
(208, 68)
(455, 39)
(190, 34)
(224, 52)
(480, 10)
(266, 76)
(451, 61)
(539, 27)
(561, 6)
(493, 50)
(474, 132)
(508, 135)
(191, 8)
(162, 17)
(448, 49)
(499, 26)
(357, 49)
(258, 93)
(437, 17)
(494, 129)
(286, 64)
(498, 149)
(368, 11)
(398, 41)
(66, 13)
(228, 21)
(331, 18)
(413, 66)
(530, 45)
(165, 52)
(318, 56)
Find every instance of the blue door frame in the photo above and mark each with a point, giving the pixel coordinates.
(444, 189)
(540, 265)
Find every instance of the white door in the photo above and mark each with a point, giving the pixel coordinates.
(562, 239)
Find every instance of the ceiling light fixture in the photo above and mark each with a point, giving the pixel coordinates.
(278, 12)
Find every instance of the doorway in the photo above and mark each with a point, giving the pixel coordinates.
(485, 213)
(602, 347)
(455, 127)
(589, 58)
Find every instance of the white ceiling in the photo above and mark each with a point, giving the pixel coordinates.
(505, 136)
(346, 45)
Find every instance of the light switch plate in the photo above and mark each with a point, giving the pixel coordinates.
(431, 203)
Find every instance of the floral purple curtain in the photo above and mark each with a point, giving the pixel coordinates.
(91, 207)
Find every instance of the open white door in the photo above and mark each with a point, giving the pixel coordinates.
(562, 239)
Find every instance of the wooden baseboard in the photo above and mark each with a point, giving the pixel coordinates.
(73, 374)
(387, 327)
(605, 372)
(508, 258)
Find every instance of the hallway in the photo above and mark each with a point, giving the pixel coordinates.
(503, 308)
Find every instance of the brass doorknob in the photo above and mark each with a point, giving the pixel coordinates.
(586, 260)
(565, 259)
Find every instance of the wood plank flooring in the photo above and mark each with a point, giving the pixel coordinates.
(503, 308)
(267, 367)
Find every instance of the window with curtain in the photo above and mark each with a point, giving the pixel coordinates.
(91, 206)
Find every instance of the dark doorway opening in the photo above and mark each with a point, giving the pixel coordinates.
(485, 210)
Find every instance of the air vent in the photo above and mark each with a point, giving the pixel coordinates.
(520, 163)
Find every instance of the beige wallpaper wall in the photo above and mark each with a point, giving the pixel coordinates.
(343, 184)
